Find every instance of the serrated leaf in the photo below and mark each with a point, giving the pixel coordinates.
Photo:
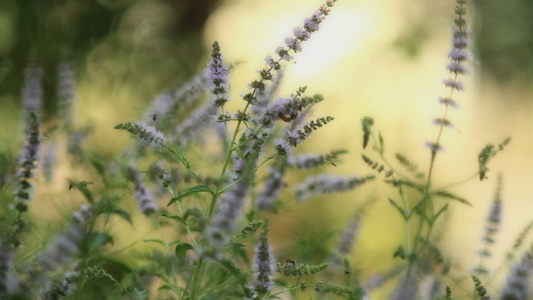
(123, 214)
(194, 190)
(400, 210)
(451, 196)
(182, 249)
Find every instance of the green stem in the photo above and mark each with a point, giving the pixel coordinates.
(407, 221)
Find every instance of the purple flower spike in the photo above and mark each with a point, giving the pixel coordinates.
(28, 158)
(264, 265)
(217, 77)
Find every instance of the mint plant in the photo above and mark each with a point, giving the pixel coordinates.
(202, 182)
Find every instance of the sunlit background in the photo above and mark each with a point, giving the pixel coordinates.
(385, 59)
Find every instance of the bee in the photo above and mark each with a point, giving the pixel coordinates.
(154, 117)
(333, 164)
(291, 262)
(287, 118)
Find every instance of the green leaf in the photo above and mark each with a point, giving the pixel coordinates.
(380, 139)
(165, 287)
(398, 182)
(400, 252)
(100, 165)
(123, 214)
(402, 212)
(175, 218)
(443, 209)
(237, 273)
(182, 249)
(358, 294)
(140, 295)
(96, 239)
(194, 190)
(82, 187)
(451, 196)
(154, 241)
(182, 157)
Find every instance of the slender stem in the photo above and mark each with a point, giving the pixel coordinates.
(196, 279)
(187, 166)
(407, 225)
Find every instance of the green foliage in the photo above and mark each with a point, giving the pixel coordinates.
(480, 289)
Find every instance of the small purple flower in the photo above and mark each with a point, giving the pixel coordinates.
(448, 101)
(457, 68)
(293, 138)
(458, 55)
(217, 77)
(434, 147)
(274, 64)
(293, 43)
(442, 122)
(149, 135)
(454, 84)
(282, 146)
(283, 54)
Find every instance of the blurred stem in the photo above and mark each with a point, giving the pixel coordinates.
(196, 279)
(407, 221)
(187, 166)
(226, 163)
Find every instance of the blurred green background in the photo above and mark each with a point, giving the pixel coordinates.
(384, 59)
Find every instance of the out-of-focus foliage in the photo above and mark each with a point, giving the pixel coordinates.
(151, 44)
(503, 33)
